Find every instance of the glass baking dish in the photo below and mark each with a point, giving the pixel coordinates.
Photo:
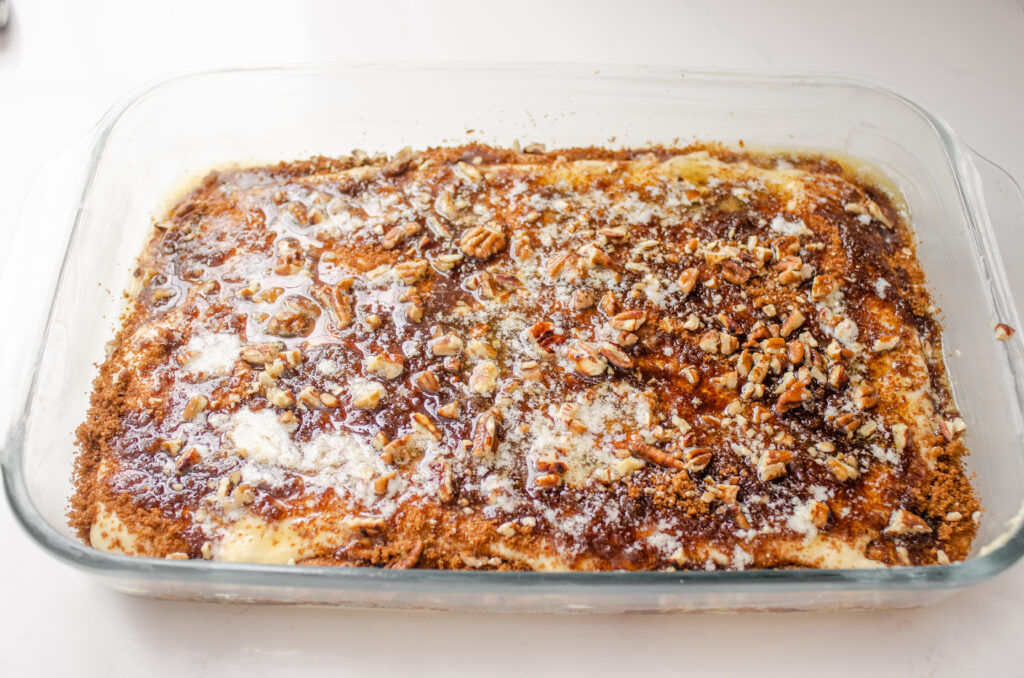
(90, 210)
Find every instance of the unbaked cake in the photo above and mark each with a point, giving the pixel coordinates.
(585, 359)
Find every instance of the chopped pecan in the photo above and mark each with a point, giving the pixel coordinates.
(337, 303)
(886, 342)
(586, 359)
(402, 449)
(697, 458)
(426, 381)
(607, 305)
(399, 163)
(792, 323)
(480, 350)
(448, 344)
(446, 262)
(594, 256)
(709, 341)
(399, 233)
(411, 272)
(387, 365)
(843, 469)
(422, 424)
(686, 281)
(548, 480)
(823, 286)
(795, 352)
(280, 397)
(482, 242)
(792, 397)
(727, 343)
(865, 397)
(188, 458)
(291, 324)
(582, 299)
(625, 339)
(903, 522)
(408, 559)
(838, 377)
(772, 464)
(544, 337)
(616, 356)
(628, 321)
(848, 422)
(655, 456)
(734, 272)
(785, 246)
(817, 513)
(195, 405)
(310, 398)
(726, 381)
(485, 433)
(449, 411)
(484, 378)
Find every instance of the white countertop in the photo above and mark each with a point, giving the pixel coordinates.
(62, 63)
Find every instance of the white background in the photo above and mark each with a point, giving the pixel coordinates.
(63, 62)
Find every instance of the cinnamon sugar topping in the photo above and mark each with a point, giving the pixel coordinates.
(482, 358)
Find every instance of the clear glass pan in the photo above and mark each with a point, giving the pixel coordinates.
(90, 210)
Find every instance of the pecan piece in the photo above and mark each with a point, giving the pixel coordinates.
(411, 272)
(582, 300)
(548, 480)
(865, 397)
(402, 449)
(446, 345)
(838, 378)
(399, 163)
(686, 281)
(886, 342)
(482, 242)
(817, 513)
(697, 458)
(628, 321)
(337, 303)
(421, 424)
(792, 323)
(616, 356)
(544, 337)
(449, 411)
(408, 559)
(823, 286)
(1004, 332)
(387, 365)
(195, 405)
(655, 456)
(843, 469)
(484, 377)
(485, 433)
(772, 464)
(189, 458)
(586, 359)
(792, 397)
(903, 522)
(709, 341)
(426, 381)
(734, 272)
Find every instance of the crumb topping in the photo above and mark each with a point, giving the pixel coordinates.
(515, 359)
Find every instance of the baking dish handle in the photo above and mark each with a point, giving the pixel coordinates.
(1004, 204)
(29, 271)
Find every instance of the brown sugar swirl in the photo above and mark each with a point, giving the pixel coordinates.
(585, 359)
